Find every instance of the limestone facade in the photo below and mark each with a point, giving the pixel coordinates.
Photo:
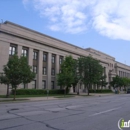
(46, 53)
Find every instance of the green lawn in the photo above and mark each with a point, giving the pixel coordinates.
(24, 96)
(10, 100)
(66, 96)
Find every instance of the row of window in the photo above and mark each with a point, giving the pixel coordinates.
(124, 74)
(44, 70)
(111, 65)
(13, 50)
(44, 85)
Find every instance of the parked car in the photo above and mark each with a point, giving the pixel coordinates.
(128, 90)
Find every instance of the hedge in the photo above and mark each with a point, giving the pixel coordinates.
(100, 91)
(38, 91)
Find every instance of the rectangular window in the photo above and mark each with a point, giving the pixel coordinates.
(25, 52)
(52, 85)
(44, 57)
(53, 59)
(44, 84)
(61, 60)
(35, 69)
(44, 71)
(23, 85)
(35, 55)
(52, 71)
(34, 84)
(12, 50)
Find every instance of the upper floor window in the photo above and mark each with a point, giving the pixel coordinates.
(44, 71)
(44, 57)
(35, 55)
(24, 52)
(35, 69)
(61, 59)
(12, 50)
(53, 58)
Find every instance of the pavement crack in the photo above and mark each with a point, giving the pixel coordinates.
(53, 127)
(42, 122)
(73, 109)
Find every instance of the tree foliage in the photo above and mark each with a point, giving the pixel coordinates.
(90, 71)
(120, 82)
(17, 71)
(67, 76)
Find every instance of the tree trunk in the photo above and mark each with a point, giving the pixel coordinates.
(88, 89)
(101, 88)
(74, 89)
(78, 90)
(7, 94)
(14, 93)
(64, 91)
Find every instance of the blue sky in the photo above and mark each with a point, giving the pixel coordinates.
(100, 24)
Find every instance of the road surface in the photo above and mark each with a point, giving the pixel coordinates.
(83, 113)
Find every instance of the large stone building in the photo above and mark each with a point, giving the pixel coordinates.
(46, 53)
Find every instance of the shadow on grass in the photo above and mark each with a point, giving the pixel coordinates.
(11, 100)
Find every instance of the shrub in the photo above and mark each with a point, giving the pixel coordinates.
(37, 91)
(100, 91)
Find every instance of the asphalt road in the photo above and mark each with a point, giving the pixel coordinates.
(83, 113)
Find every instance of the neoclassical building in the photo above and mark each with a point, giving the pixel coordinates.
(45, 54)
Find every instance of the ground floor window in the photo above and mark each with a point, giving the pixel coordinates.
(44, 84)
(52, 85)
(34, 84)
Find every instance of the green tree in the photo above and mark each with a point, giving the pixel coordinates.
(75, 75)
(116, 82)
(126, 82)
(103, 81)
(17, 71)
(90, 71)
(67, 75)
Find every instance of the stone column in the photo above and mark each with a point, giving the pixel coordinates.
(19, 50)
(19, 53)
(117, 71)
(39, 72)
(107, 74)
(30, 62)
(57, 71)
(49, 70)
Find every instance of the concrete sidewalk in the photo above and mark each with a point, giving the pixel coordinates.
(52, 98)
(24, 99)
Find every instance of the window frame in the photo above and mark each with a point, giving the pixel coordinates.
(23, 52)
(35, 69)
(44, 84)
(35, 55)
(12, 50)
(44, 57)
(44, 70)
(53, 59)
(52, 85)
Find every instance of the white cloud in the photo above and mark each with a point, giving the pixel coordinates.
(25, 2)
(109, 18)
(112, 18)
